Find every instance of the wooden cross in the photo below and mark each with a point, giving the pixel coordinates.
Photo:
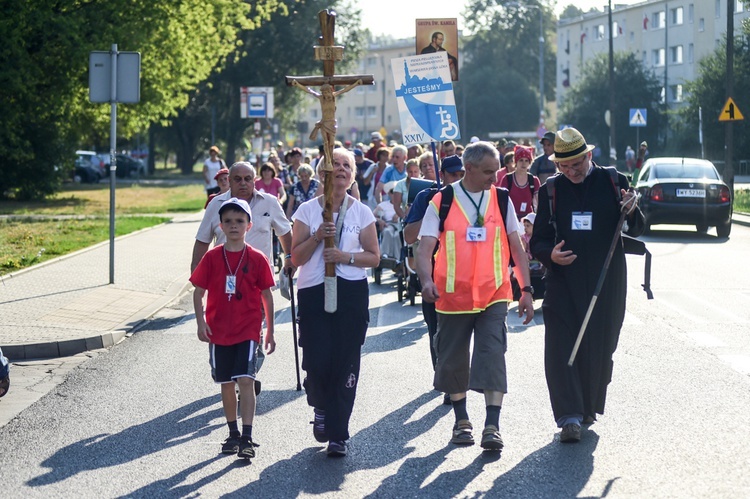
(329, 53)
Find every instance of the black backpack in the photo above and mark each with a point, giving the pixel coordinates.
(530, 179)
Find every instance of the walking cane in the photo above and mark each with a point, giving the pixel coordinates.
(294, 327)
(600, 283)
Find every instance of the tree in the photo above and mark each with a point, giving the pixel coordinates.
(280, 46)
(637, 87)
(571, 11)
(708, 91)
(500, 78)
(44, 109)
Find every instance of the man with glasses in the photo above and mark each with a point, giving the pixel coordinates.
(573, 231)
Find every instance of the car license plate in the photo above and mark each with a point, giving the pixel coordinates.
(691, 193)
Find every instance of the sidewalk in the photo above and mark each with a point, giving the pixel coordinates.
(66, 306)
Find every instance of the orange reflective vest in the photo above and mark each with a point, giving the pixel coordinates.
(471, 276)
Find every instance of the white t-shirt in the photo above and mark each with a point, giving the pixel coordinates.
(386, 211)
(267, 215)
(358, 216)
(212, 168)
(431, 220)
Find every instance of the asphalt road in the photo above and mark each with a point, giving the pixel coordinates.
(144, 419)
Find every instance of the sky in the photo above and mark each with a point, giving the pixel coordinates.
(397, 17)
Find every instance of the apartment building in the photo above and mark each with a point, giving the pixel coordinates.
(669, 36)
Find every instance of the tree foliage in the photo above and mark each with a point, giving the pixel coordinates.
(44, 107)
(636, 87)
(280, 46)
(708, 91)
(500, 78)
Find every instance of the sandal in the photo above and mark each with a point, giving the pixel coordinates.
(462, 433)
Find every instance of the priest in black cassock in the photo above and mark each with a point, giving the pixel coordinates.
(573, 231)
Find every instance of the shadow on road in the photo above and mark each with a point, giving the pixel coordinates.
(555, 470)
(103, 451)
(384, 442)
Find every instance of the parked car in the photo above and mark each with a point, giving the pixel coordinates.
(95, 159)
(129, 167)
(85, 171)
(685, 191)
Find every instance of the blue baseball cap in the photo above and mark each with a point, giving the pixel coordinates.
(452, 164)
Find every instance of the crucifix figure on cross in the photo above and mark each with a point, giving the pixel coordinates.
(327, 124)
(329, 53)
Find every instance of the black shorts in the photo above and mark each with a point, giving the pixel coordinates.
(229, 362)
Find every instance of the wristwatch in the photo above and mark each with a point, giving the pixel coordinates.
(528, 289)
(351, 258)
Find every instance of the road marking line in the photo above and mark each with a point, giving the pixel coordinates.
(740, 363)
(705, 339)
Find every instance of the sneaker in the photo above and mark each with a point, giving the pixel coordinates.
(491, 439)
(571, 433)
(336, 448)
(319, 425)
(589, 420)
(231, 445)
(462, 433)
(246, 448)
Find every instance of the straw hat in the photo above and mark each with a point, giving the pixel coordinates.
(569, 144)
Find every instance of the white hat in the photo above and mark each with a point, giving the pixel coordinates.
(237, 203)
(474, 139)
(530, 217)
(388, 186)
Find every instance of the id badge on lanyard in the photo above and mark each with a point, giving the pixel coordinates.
(581, 220)
(476, 234)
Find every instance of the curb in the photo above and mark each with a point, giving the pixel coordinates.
(741, 218)
(67, 348)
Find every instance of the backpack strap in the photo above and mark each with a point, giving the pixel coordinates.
(614, 178)
(551, 198)
(530, 179)
(502, 203)
(446, 199)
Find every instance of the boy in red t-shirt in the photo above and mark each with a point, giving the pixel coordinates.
(238, 278)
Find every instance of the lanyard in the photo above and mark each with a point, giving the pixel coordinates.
(479, 222)
(231, 278)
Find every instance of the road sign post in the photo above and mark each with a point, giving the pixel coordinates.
(638, 119)
(114, 77)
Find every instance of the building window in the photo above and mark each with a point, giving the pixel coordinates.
(314, 113)
(718, 9)
(675, 92)
(615, 29)
(690, 13)
(632, 36)
(657, 57)
(701, 24)
(645, 57)
(372, 60)
(657, 20)
(359, 112)
(690, 53)
(739, 6)
(675, 54)
(600, 32)
(661, 95)
(676, 15)
(372, 112)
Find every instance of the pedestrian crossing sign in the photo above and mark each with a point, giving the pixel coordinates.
(638, 116)
(730, 112)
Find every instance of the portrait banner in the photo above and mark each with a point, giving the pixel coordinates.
(424, 93)
(439, 35)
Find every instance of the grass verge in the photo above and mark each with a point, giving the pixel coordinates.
(28, 242)
(742, 200)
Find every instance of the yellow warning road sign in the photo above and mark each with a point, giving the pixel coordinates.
(730, 112)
